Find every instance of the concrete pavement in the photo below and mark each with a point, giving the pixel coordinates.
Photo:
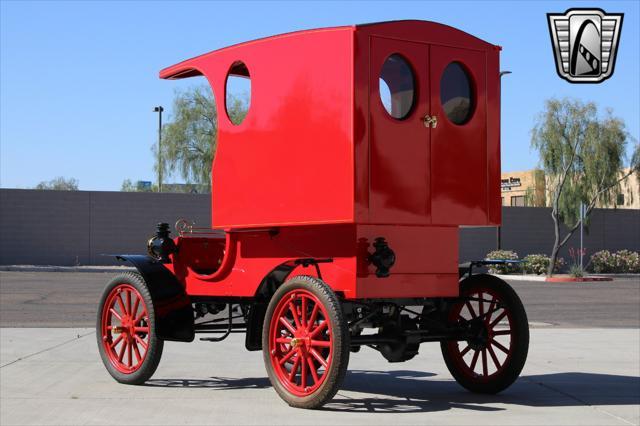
(572, 377)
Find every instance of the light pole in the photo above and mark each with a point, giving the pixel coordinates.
(159, 110)
(499, 228)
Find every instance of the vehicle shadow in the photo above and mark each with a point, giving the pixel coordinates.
(409, 391)
(218, 383)
(414, 391)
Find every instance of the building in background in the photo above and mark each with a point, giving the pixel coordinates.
(629, 197)
(529, 189)
(526, 188)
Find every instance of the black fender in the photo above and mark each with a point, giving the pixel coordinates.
(173, 311)
(465, 270)
(268, 286)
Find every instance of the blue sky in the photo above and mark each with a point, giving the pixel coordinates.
(78, 80)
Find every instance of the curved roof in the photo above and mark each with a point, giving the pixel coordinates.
(410, 29)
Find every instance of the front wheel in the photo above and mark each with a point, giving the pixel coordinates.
(492, 359)
(125, 329)
(305, 342)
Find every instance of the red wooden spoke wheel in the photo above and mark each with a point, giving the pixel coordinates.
(125, 328)
(494, 356)
(300, 342)
(305, 342)
(126, 339)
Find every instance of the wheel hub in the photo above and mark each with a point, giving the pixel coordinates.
(302, 340)
(126, 327)
(480, 336)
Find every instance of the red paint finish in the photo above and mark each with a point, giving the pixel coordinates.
(426, 262)
(318, 157)
(399, 156)
(461, 162)
(290, 161)
(257, 253)
(459, 152)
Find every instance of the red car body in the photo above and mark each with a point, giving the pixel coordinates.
(318, 168)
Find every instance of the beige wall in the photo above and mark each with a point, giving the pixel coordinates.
(531, 184)
(526, 188)
(630, 194)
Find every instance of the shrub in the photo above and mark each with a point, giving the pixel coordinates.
(623, 261)
(576, 271)
(628, 261)
(602, 261)
(507, 268)
(539, 263)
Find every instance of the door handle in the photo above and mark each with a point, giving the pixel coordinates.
(430, 121)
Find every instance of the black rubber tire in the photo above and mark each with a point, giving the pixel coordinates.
(520, 344)
(340, 360)
(156, 345)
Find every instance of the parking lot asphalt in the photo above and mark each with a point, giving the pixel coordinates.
(70, 299)
(54, 376)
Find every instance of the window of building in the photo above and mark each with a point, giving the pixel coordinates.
(517, 201)
(456, 93)
(396, 86)
(238, 92)
(620, 200)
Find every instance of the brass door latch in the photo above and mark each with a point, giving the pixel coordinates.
(430, 121)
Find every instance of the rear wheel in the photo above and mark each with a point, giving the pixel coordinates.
(305, 342)
(125, 330)
(493, 358)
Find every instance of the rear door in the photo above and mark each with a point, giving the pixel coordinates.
(428, 150)
(399, 144)
(458, 155)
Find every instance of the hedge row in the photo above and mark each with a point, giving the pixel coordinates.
(623, 261)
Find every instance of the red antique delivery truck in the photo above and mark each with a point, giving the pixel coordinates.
(336, 207)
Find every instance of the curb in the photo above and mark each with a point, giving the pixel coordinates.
(620, 275)
(51, 268)
(565, 279)
(521, 277)
(577, 279)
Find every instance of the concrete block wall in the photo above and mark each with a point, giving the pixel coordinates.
(80, 227)
(529, 230)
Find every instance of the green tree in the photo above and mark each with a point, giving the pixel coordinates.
(189, 139)
(59, 184)
(583, 154)
(128, 186)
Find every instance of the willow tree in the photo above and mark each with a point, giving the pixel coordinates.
(189, 139)
(59, 183)
(584, 155)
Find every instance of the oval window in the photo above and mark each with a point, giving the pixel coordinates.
(238, 92)
(396, 86)
(456, 93)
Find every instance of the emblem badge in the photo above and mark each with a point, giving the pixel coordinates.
(585, 43)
